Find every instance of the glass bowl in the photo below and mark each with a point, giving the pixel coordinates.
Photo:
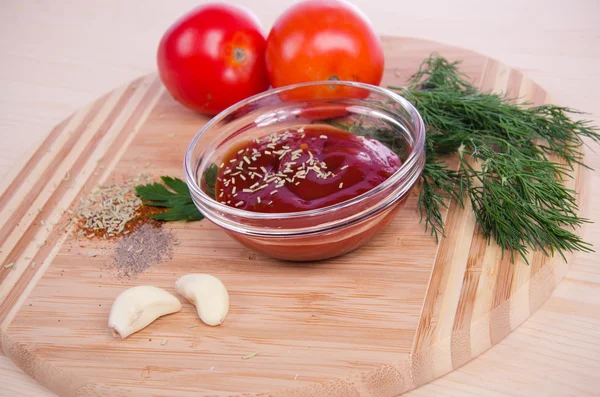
(327, 232)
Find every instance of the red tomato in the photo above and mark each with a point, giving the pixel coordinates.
(323, 40)
(213, 57)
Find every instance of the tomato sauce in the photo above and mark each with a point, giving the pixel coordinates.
(302, 169)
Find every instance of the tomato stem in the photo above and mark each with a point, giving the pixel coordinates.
(239, 55)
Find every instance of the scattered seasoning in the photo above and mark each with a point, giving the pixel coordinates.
(211, 369)
(112, 210)
(9, 265)
(163, 342)
(141, 249)
(249, 356)
(292, 171)
(192, 326)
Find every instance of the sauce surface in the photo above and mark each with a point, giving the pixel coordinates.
(303, 169)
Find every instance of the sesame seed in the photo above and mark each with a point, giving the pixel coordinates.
(341, 184)
(239, 203)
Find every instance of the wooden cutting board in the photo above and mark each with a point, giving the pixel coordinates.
(384, 319)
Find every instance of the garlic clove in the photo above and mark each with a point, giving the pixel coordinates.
(208, 294)
(137, 307)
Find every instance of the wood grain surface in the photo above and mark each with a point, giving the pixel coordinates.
(391, 316)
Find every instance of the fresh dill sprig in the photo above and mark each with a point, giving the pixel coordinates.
(509, 161)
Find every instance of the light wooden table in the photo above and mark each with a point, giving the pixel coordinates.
(60, 55)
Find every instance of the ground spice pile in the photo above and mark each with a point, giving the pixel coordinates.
(141, 249)
(113, 210)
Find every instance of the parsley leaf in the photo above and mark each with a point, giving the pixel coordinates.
(174, 195)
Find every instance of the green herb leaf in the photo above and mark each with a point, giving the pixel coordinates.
(176, 184)
(187, 212)
(210, 179)
(175, 196)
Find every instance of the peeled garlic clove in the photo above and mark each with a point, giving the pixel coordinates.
(138, 307)
(208, 294)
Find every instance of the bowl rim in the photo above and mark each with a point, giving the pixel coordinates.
(407, 166)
